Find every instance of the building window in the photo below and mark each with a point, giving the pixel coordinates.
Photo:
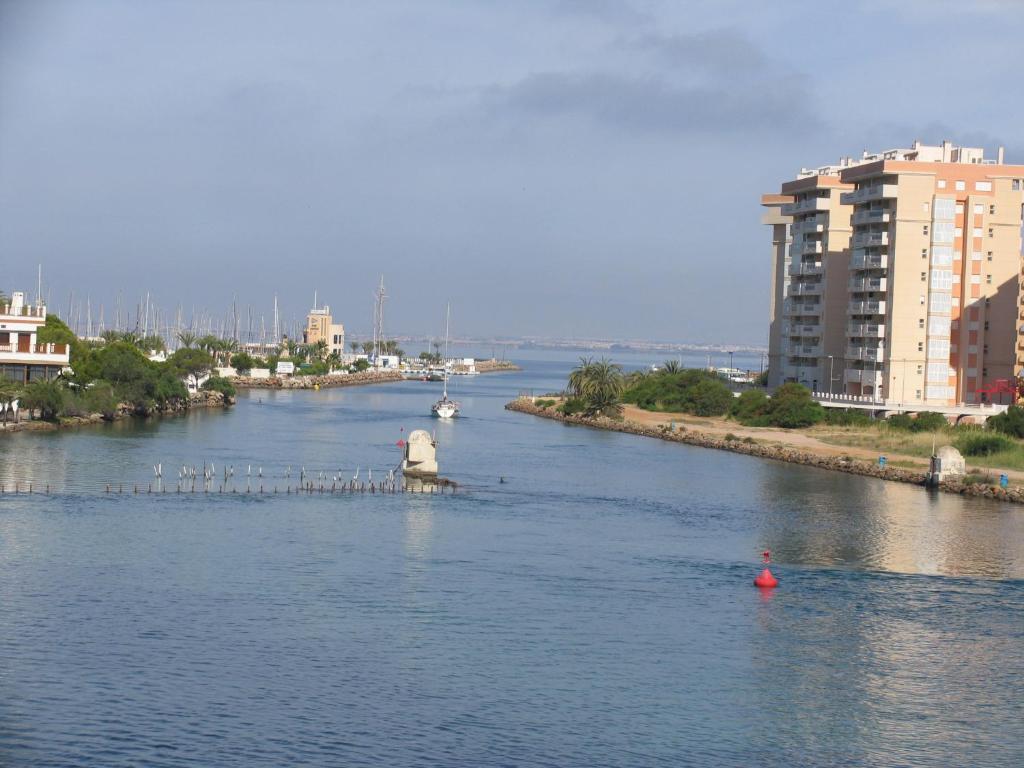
(978, 232)
(938, 348)
(943, 232)
(924, 230)
(1015, 185)
(989, 256)
(945, 207)
(986, 325)
(991, 210)
(938, 326)
(942, 279)
(991, 232)
(939, 303)
(941, 184)
(917, 392)
(942, 256)
(920, 368)
(983, 186)
(920, 346)
(920, 323)
(988, 279)
(979, 208)
(924, 253)
(984, 373)
(960, 186)
(959, 207)
(924, 276)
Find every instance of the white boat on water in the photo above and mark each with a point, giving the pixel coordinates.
(445, 408)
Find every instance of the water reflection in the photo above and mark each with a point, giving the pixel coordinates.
(820, 518)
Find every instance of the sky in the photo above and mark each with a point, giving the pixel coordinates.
(561, 168)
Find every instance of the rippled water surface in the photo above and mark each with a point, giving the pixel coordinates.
(596, 609)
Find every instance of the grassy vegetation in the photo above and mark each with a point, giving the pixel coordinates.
(981, 447)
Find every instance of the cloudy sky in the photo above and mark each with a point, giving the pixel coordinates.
(556, 168)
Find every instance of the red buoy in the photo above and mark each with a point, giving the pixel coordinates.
(765, 579)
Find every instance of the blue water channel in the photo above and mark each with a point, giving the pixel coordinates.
(595, 609)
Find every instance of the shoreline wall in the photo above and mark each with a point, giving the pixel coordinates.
(780, 453)
(201, 399)
(311, 382)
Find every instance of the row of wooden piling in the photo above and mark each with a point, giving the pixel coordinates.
(308, 489)
(18, 489)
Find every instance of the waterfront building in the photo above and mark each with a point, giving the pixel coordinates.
(320, 326)
(908, 288)
(22, 358)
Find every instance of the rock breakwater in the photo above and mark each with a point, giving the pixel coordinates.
(312, 382)
(751, 447)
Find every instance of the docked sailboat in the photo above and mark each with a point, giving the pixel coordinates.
(445, 408)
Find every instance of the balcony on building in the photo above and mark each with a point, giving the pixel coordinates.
(864, 260)
(867, 354)
(804, 268)
(868, 284)
(815, 223)
(872, 216)
(811, 246)
(865, 331)
(806, 289)
(805, 350)
(866, 308)
(866, 376)
(870, 239)
(22, 358)
(867, 194)
(805, 206)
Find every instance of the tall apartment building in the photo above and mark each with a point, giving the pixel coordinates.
(320, 326)
(922, 303)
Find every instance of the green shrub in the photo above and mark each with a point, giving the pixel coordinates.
(219, 384)
(976, 443)
(709, 398)
(792, 407)
(925, 421)
(1011, 422)
(47, 397)
(749, 406)
(847, 417)
(360, 365)
(572, 406)
(688, 391)
(929, 421)
(544, 403)
(901, 421)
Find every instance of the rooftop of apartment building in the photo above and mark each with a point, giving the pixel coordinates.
(946, 152)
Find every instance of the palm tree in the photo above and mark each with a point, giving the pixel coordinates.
(599, 384)
(354, 346)
(9, 392)
(227, 347)
(671, 366)
(110, 337)
(319, 349)
(187, 339)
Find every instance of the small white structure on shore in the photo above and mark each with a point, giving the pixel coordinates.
(420, 454)
(946, 463)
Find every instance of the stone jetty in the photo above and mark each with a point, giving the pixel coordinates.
(751, 447)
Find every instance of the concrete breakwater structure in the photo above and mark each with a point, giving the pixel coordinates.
(317, 382)
(771, 451)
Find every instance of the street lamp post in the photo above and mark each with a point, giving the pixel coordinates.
(831, 362)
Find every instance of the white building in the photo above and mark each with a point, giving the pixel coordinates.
(22, 358)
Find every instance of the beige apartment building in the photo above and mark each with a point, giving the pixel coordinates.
(913, 294)
(320, 326)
